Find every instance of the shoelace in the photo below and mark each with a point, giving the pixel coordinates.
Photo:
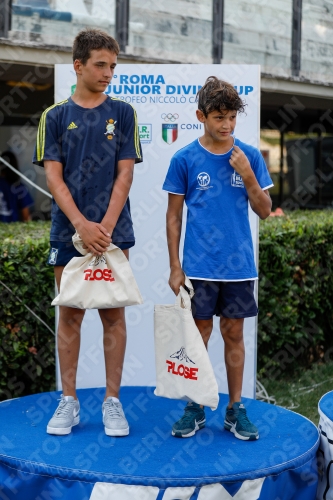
(63, 409)
(243, 418)
(188, 415)
(113, 409)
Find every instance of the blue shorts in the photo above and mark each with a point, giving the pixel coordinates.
(61, 252)
(230, 299)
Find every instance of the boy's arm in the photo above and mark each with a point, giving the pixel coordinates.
(174, 227)
(260, 200)
(94, 235)
(119, 194)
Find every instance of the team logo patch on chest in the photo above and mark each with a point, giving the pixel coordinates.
(236, 180)
(110, 128)
(204, 181)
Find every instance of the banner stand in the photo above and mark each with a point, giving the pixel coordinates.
(164, 96)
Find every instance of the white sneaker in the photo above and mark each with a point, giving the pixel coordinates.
(65, 417)
(114, 420)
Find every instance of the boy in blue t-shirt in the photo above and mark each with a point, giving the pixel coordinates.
(217, 175)
(88, 145)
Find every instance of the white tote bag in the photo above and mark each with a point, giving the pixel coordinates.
(183, 367)
(98, 282)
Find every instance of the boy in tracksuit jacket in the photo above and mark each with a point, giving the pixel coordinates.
(216, 176)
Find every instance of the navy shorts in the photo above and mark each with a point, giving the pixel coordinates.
(61, 252)
(230, 299)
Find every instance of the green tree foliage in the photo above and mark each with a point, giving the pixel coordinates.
(295, 291)
(26, 345)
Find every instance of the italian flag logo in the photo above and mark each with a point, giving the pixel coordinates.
(169, 132)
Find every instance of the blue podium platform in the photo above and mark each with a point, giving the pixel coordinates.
(150, 464)
(325, 451)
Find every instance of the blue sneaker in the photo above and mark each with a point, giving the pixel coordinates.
(193, 419)
(237, 422)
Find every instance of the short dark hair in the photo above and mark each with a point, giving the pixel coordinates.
(218, 95)
(92, 39)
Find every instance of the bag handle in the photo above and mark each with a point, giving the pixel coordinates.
(186, 292)
(78, 243)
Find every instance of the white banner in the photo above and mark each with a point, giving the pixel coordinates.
(164, 98)
(249, 490)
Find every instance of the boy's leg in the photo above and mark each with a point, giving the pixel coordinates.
(203, 308)
(234, 355)
(114, 420)
(205, 327)
(236, 303)
(68, 336)
(70, 320)
(204, 305)
(194, 417)
(114, 328)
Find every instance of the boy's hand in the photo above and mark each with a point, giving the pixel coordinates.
(177, 279)
(108, 226)
(94, 236)
(239, 161)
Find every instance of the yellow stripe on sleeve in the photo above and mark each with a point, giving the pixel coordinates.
(136, 128)
(42, 131)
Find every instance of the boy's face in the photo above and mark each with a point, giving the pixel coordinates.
(218, 124)
(98, 71)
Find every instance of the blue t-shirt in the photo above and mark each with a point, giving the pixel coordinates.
(13, 198)
(218, 243)
(89, 143)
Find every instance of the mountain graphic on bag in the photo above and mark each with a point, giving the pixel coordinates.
(181, 355)
(182, 370)
(183, 367)
(98, 282)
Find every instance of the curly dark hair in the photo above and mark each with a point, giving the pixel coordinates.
(92, 39)
(217, 95)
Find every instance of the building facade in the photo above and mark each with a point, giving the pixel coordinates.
(292, 40)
